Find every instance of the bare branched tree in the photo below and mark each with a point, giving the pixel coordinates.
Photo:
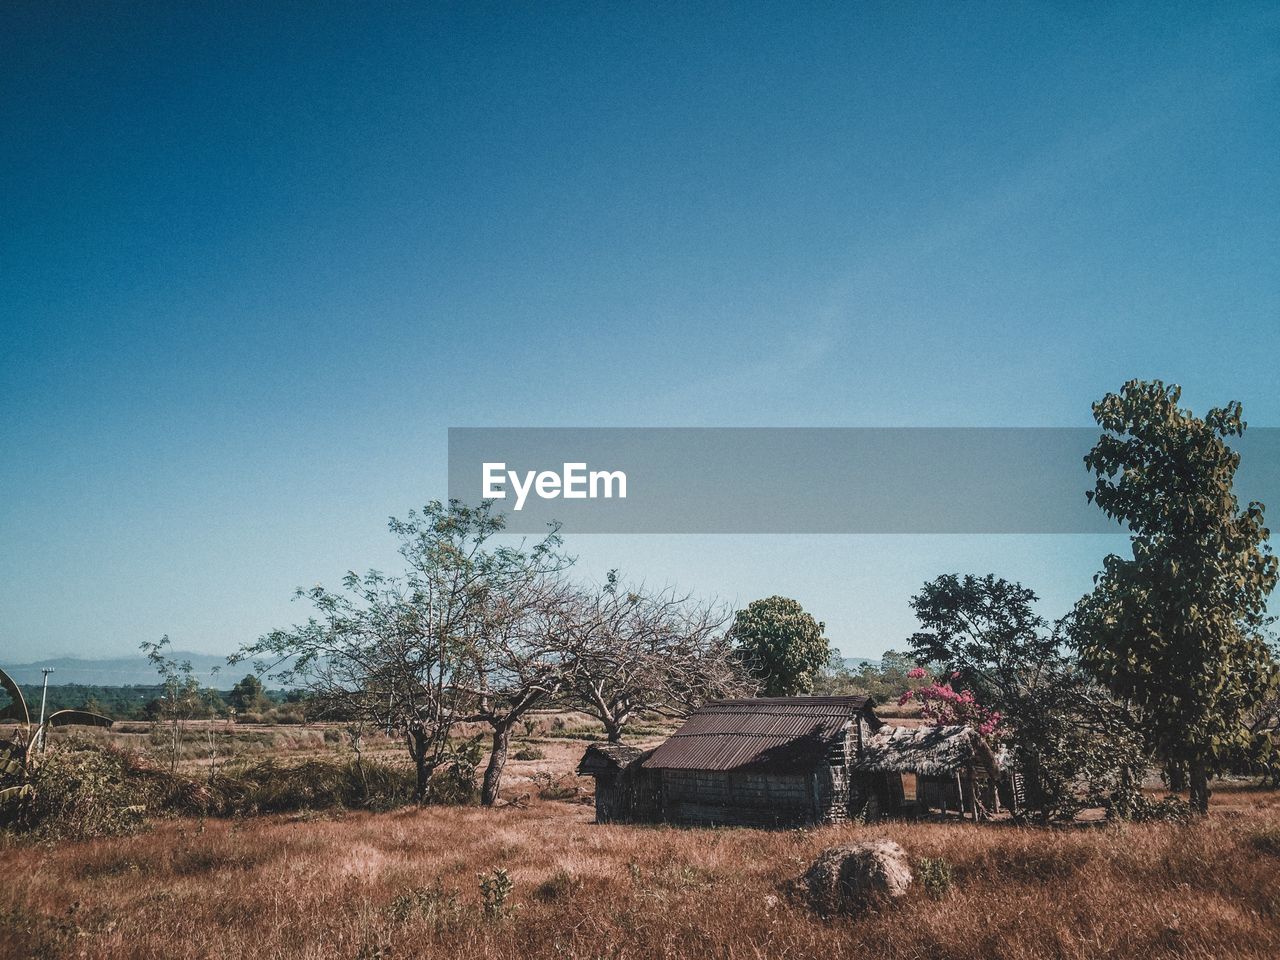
(521, 657)
(408, 653)
(643, 651)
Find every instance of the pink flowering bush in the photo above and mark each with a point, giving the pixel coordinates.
(943, 706)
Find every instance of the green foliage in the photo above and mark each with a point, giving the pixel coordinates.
(454, 781)
(983, 631)
(22, 757)
(555, 786)
(496, 888)
(781, 646)
(884, 682)
(1078, 748)
(1176, 627)
(1170, 809)
(181, 697)
(248, 695)
(529, 752)
(935, 876)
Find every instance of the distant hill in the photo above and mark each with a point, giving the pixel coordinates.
(126, 671)
(856, 663)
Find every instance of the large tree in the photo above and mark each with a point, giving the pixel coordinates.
(782, 647)
(649, 651)
(414, 652)
(1176, 627)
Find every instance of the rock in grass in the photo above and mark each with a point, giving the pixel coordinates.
(850, 878)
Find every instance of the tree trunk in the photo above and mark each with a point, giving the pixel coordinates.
(1177, 779)
(422, 771)
(614, 731)
(497, 760)
(1199, 786)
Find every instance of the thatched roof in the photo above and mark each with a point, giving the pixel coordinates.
(930, 751)
(774, 734)
(606, 757)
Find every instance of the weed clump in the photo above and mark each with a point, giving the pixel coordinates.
(934, 874)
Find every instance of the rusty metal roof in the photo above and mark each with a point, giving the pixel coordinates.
(765, 733)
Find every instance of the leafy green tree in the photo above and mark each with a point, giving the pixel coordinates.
(985, 630)
(1176, 627)
(248, 695)
(781, 646)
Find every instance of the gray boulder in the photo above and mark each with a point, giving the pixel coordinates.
(850, 878)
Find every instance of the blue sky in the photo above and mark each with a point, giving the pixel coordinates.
(257, 258)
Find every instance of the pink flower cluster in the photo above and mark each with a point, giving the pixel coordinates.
(944, 706)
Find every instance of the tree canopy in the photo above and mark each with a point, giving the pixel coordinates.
(1176, 627)
(782, 647)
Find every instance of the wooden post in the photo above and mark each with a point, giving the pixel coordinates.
(959, 795)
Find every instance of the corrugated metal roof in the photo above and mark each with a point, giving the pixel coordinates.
(774, 733)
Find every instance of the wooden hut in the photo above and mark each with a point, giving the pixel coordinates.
(955, 768)
(625, 791)
(768, 761)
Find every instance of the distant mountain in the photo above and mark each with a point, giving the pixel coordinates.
(856, 663)
(123, 671)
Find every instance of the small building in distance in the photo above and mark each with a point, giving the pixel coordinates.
(625, 792)
(955, 768)
(762, 762)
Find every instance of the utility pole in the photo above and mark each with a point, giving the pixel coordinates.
(44, 696)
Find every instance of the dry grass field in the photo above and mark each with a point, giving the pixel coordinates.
(405, 884)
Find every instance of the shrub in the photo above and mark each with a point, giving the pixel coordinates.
(935, 876)
(1170, 809)
(495, 890)
(530, 752)
(81, 791)
(454, 784)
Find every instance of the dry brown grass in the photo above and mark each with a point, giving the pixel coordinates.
(404, 885)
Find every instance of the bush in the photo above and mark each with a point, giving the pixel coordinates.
(267, 786)
(81, 791)
(530, 752)
(435, 905)
(495, 890)
(555, 787)
(264, 786)
(1170, 809)
(454, 784)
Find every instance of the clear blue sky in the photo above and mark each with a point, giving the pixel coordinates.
(256, 258)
